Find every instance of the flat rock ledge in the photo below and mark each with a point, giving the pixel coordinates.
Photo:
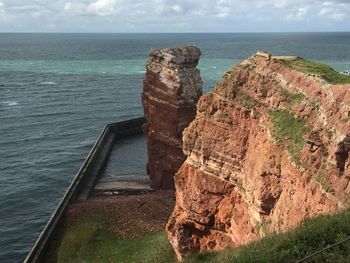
(125, 187)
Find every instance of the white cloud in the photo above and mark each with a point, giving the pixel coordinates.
(98, 8)
(75, 8)
(335, 11)
(176, 15)
(279, 4)
(299, 15)
(2, 9)
(207, 9)
(333, 14)
(292, 10)
(224, 8)
(171, 7)
(103, 8)
(32, 10)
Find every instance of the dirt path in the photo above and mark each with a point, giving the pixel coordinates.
(129, 215)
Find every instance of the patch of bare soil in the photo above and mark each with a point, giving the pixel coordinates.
(129, 215)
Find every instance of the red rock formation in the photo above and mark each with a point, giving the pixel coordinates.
(172, 87)
(269, 147)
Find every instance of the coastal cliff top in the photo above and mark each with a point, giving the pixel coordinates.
(308, 67)
(305, 90)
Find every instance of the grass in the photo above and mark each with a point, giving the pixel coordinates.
(292, 98)
(323, 181)
(324, 71)
(223, 117)
(344, 120)
(89, 240)
(321, 178)
(290, 131)
(312, 235)
(329, 134)
(246, 101)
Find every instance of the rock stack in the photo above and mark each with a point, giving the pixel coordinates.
(172, 87)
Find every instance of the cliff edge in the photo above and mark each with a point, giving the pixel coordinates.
(268, 148)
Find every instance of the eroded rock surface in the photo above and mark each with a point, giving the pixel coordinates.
(269, 147)
(172, 87)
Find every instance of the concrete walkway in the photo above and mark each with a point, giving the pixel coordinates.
(121, 187)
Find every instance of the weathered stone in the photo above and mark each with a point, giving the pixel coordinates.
(243, 178)
(172, 87)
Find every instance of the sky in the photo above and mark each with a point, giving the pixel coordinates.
(133, 16)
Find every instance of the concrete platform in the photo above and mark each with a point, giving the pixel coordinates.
(121, 187)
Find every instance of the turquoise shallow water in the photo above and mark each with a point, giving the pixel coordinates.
(57, 91)
(211, 69)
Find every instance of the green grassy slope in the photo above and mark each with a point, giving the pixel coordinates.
(324, 71)
(289, 131)
(311, 236)
(89, 240)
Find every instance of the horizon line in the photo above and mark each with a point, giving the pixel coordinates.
(223, 32)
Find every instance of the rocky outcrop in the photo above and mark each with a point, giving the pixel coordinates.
(172, 87)
(269, 147)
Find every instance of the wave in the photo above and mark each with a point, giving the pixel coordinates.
(48, 83)
(10, 103)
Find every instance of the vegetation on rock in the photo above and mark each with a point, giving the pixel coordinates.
(321, 178)
(313, 235)
(246, 101)
(310, 67)
(291, 97)
(289, 130)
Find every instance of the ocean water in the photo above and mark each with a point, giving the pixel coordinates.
(121, 166)
(57, 91)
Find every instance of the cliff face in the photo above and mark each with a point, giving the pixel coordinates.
(172, 87)
(269, 147)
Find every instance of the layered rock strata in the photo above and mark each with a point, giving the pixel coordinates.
(172, 87)
(269, 147)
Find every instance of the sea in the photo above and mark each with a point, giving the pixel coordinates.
(57, 91)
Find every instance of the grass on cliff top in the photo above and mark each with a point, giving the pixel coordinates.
(324, 71)
(89, 240)
(289, 131)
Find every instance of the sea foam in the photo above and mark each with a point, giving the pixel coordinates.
(48, 83)
(10, 103)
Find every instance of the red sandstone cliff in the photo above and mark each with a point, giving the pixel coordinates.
(269, 147)
(172, 87)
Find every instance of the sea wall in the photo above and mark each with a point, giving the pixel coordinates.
(83, 182)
